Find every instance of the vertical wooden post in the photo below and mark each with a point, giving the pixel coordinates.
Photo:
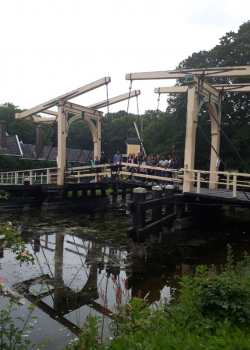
(228, 180)
(31, 178)
(16, 178)
(234, 186)
(139, 218)
(215, 141)
(78, 179)
(48, 176)
(61, 130)
(198, 182)
(156, 212)
(2, 179)
(192, 111)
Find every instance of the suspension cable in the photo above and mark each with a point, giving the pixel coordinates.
(138, 115)
(225, 135)
(107, 92)
(125, 128)
(212, 146)
(218, 155)
(232, 123)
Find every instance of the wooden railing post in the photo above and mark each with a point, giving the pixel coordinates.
(139, 218)
(156, 212)
(234, 185)
(2, 179)
(48, 176)
(16, 178)
(31, 178)
(228, 181)
(78, 180)
(198, 182)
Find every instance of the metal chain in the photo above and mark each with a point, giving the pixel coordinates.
(138, 116)
(125, 129)
(107, 91)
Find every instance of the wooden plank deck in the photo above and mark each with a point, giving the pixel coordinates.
(221, 194)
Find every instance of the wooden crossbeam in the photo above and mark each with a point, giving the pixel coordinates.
(219, 72)
(171, 90)
(116, 99)
(68, 96)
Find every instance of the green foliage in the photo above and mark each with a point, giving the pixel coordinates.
(88, 337)
(10, 335)
(219, 297)
(25, 130)
(211, 313)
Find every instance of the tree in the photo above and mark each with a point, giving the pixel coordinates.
(26, 131)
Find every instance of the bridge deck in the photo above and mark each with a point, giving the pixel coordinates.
(221, 194)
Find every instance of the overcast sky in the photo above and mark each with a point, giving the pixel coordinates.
(50, 47)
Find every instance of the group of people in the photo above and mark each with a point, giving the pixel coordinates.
(173, 164)
(158, 164)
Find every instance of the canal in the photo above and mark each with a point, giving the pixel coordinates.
(85, 259)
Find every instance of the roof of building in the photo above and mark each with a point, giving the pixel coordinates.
(16, 148)
(12, 146)
(133, 141)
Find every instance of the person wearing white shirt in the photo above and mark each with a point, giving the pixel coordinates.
(163, 163)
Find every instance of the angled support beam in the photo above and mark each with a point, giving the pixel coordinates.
(47, 111)
(220, 72)
(116, 99)
(72, 94)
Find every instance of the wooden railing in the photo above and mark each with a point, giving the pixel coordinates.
(36, 176)
(230, 181)
(79, 170)
(49, 175)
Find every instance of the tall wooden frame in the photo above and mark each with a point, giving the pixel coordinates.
(199, 92)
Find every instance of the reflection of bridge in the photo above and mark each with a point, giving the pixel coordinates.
(65, 300)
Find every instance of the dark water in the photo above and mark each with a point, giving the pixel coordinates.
(85, 257)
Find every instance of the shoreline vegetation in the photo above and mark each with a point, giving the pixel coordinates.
(212, 312)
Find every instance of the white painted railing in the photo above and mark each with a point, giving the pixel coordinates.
(36, 176)
(230, 182)
(49, 175)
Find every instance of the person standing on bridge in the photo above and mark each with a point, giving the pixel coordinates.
(163, 163)
(118, 160)
(175, 165)
(103, 160)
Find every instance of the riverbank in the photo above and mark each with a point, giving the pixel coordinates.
(212, 312)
